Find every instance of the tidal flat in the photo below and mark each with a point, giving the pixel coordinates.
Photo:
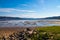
(29, 23)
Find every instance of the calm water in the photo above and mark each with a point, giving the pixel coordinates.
(29, 23)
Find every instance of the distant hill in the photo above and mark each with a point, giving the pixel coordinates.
(8, 18)
(54, 17)
(18, 18)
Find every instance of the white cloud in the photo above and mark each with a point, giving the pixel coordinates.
(6, 9)
(58, 6)
(31, 15)
(12, 9)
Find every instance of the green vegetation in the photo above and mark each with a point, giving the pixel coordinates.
(53, 29)
(52, 32)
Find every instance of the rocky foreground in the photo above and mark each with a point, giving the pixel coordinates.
(38, 33)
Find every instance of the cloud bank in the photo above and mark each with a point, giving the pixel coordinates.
(12, 9)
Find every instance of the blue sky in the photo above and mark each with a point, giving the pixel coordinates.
(30, 8)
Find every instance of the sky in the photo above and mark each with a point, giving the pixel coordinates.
(30, 8)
